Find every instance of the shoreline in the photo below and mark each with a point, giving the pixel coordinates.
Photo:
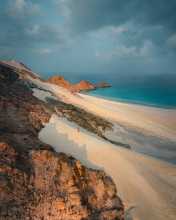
(151, 120)
(143, 182)
(139, 117)
(120, 101)
(125, 102)
(145, 185)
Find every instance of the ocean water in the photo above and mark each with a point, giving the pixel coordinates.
(157, 90)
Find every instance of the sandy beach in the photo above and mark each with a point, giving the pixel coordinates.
(157, 121)
(145, 181)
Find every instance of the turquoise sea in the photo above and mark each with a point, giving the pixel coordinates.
(157, 90)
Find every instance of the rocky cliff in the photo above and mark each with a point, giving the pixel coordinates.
(37, 183)
(75, 88)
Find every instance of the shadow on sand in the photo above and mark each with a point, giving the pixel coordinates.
(62, 143)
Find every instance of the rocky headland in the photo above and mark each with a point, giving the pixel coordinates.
(37, 183)
(76, 88)
(103, 85)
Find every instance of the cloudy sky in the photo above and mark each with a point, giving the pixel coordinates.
(96, 36)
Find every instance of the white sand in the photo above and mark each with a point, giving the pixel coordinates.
(156, 121)
(147, 186)
(145, 122)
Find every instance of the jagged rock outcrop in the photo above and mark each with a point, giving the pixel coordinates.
(84, 85)
(36, 183)
(74, 88)
(47, 185)
(103, 85)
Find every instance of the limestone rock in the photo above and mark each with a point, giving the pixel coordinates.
(36, 182)
(37, 186)
(74, 88)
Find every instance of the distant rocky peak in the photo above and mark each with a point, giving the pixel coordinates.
(59, 77)
(84, 85)
(103, 85)
(74, 88)
(83, 82)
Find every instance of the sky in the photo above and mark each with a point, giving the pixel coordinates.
(90, 36)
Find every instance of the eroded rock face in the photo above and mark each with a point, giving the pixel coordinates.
(84, 85)
(48, 185)
(103, 85)
(74, 88)
(35, 181)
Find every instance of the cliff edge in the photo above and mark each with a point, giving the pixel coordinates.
(36, 182)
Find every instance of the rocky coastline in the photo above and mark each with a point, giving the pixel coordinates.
(76, 88)
(37, 182)
(103, 85)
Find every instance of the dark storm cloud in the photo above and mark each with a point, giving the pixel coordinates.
(153, 20)
(19, 12)
(158, 36)
(31, 35)
(107, 30)
(19, 26)
(91, 15)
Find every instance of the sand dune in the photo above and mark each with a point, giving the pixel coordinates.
(146, 185)
(157, 121)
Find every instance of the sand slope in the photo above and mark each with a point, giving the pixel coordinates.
(160, 122)
(146, 186)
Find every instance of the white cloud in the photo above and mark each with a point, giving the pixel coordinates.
(66, 12)
(44, 51)
(17, 5)
(158, 27)
(126, 50)
(60, 1)
(15, 10)
(4, 50)
(97, 54)
(122, 52)
(19, 11)
(145, 48)
(69, 43)
(117, 30)
(34, 9)
(172, 40)
(33, 31)
(63, 7)
(47, 33)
